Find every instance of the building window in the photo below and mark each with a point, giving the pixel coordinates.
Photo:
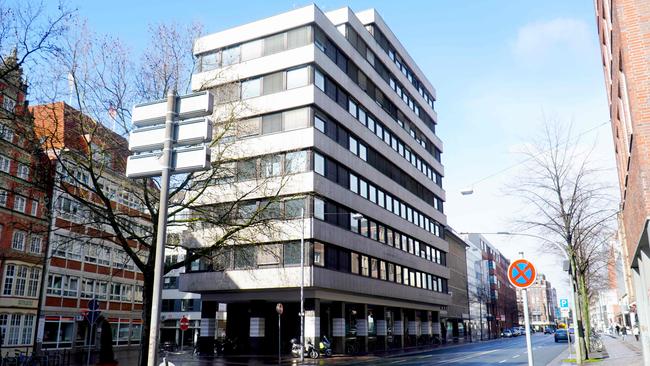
(23, 171)
(319, 209)
(6, 133)
(34, 208)
(10, 272)
(19, 203)
(319, 80)
(8, 104)
(34, 278)
(319, 164)
(18, 240)
(291, 253)
(365, 266)
(297, 77)
(295, 162)
(251, 88)
(319, 254)
(35, 244)
(4, 195)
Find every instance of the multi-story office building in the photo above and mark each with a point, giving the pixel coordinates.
(502, 299)
(23, 222)
(84, 262)
(455, 325)
(333, 101)
(624, 32)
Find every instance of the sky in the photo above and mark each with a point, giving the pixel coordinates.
(499, 68)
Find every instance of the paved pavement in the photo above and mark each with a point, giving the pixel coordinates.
(618, 352)
(508, 351)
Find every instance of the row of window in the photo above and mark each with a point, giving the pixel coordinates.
(360, 45)
(266, 166)
(345, 177)
(224, 213)
(327, 85)
(275, 122)
(60, 333)
(250, 50)
(21, 281)
(22, 171)
(20, 203)
(23, 242)
(69, 248)
(16, 329)
(370, 228)
(250, 256)
(87, 288)
(367, 85)
(180, 305)
(344, 260)
(345, 138)
(401, 65)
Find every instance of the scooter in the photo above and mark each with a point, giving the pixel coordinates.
(325, 346)
(309, 349)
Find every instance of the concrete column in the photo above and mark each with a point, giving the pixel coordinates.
(338, 326)
(379, 315)
(362, 327)
(641, 279)
(208, 326)
(312, 321)
(398, 328)
(426, 325)
(257, 327)
(410, 322)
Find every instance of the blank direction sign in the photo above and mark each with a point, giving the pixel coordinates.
(187, 132)
(189, 106)
(184, 160)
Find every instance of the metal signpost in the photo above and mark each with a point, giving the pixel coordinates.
(91, 316)
(522, 274)
(279, 309)
(564, 313)
(184, 325)
(165, 142)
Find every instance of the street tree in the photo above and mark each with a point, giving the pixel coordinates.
(105, 83)
(569, 204)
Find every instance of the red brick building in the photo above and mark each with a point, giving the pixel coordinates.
(624, 31)
(85, 262)
(23, 222)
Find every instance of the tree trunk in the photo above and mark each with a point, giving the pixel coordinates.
(584, 299)
(146, 317)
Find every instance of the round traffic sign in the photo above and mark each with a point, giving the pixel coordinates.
(185, 324)
(279, 308)
(521, 273)
(93, 305)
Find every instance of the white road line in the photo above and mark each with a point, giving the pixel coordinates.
(515, 356)
(470, 356)
(502, 361)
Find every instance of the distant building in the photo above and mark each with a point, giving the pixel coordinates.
(624, 32)
(541, 304)
(84, 261)
(23, 214)
(478, 292)
(498, 296)
(456, 323)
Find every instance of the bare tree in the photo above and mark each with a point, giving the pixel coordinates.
(91, 171)
(570, 205)
(29, 33)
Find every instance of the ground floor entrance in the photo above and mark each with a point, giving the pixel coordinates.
(254, 326)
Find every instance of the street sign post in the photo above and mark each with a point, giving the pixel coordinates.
(175, 126)
(522, 274)
(184, 325)
(91, 316)
(279, 308)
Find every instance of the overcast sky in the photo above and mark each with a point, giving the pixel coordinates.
(499, 67)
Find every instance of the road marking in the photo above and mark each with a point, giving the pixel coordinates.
(502, 361)
(515, 356)
(470, 356)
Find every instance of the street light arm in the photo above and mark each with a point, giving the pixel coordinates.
(508, 233)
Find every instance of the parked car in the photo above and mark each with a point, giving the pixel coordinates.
(522, 330)
(507, 333)
(561, 335)
(516, 332)
(548, 330)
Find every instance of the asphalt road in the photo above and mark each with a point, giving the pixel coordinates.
(507, 351)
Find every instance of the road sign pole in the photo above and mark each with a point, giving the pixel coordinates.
(90, 343)
(161, 235)
(279, 340)
(527, 324)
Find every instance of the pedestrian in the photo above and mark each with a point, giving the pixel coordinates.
(618, 330)
(635, 331)
(623, 332)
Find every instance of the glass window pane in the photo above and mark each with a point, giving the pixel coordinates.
(272, 123)
(319, 164)
(297, 78)
(354, 263)
(297, 118)
(319, 80)
(251, 50)
(248, 127)
(251, 88)
(319, 124)
(271, 166)
(272, 83)
(230, 56)
(319, 254)
(319, 209)
(294, 208)
(295, 162)
(354, 183)
(298, 37)
(274, 44)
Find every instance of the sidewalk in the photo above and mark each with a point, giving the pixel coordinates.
(617, 351)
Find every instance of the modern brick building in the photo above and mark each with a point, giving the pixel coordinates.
(500, 301)
(541, 305)
(624, 31)
(456, 324)
(84, 262)
(333, 101)
(23, 214)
